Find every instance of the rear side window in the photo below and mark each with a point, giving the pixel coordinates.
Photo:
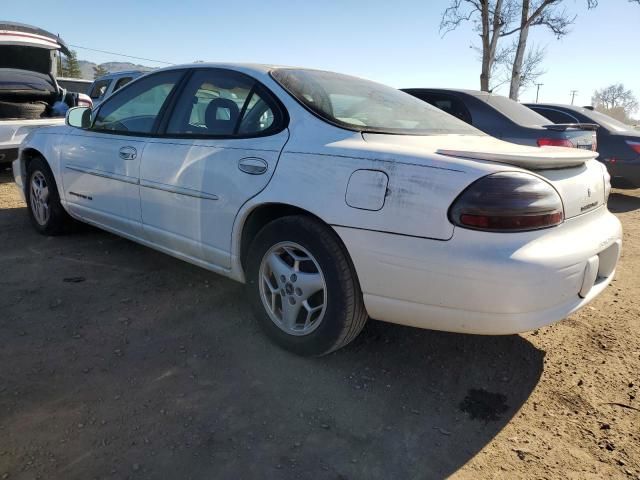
(451, 105)
(135, 109)
(99, 89)
(121, 83)
(222, 103)
(364, 106)
(556, 116)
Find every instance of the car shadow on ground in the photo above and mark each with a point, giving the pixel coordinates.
(117, 360)
(620, 202)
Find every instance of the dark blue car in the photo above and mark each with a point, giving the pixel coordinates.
(618, 143)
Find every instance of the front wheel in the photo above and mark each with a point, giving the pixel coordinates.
(46, 212)
(303, 286)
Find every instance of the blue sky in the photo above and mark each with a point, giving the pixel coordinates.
(396, 43)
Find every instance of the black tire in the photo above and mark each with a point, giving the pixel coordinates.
(345, 314)
(58, 221)
(23, 110)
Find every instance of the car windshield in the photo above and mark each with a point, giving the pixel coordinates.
(516, 111)
(366, 106)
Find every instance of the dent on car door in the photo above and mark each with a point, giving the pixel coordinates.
(219, 148)
(101, 165)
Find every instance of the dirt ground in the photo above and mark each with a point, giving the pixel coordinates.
(120, 362)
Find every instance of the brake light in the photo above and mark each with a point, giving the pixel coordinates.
(634, 145)
(508, 202)
(554, 142)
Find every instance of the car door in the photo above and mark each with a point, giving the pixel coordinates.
(101, 165)
(220, 145)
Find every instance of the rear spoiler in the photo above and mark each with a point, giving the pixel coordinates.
(561, 127)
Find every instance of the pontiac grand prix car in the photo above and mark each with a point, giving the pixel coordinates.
(334, 199)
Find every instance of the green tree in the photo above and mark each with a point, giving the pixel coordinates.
(99, 71)
(71, 67)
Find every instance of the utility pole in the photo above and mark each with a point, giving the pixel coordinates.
(538, 90)
(573, 95)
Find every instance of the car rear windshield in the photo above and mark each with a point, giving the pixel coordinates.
(607, 122)
(516, 111)
(366, 106)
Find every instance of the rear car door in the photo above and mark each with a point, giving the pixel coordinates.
(101, 165)
(218, 148)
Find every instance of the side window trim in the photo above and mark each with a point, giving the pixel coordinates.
(167, 110)
(156, 123)
(243, 110)
(279, 110)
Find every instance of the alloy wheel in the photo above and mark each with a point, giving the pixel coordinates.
(39, 198)
(292, 288)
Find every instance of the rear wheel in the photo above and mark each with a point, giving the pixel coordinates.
(303, 287)
(46, 212)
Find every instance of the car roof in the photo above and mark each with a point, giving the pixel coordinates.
(474, 93)
(122, 73)
(257, 67)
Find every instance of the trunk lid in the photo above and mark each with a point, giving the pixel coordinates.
(581, 188)
(573, 172)
(484, 147)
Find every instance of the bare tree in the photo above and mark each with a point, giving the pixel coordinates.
(614, 100)
(531, 66)
(538, 13)
(490, 18)
(496, 19)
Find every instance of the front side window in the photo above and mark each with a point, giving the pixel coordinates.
(366, 106)
(221, 103)
(136, 108)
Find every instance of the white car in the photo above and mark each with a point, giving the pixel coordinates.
(334, 198)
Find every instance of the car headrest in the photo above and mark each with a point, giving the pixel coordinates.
(221, 116)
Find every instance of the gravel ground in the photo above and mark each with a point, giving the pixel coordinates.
(120, 362)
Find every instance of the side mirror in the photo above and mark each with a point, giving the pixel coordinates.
(79, 117)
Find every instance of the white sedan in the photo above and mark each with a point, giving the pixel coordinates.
(334, 199)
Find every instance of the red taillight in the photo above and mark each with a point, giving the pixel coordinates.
(507, 202)
(634, 145)
(555, 142)
(512, 223)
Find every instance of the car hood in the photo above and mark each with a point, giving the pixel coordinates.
(484, 147)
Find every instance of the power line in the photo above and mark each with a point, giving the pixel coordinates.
(121, 55)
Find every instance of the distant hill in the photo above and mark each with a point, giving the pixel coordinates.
(86, 67)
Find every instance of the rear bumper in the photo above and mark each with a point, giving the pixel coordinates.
(624, 173)
(486, 283)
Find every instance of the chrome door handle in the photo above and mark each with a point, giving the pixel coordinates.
(253, 166)
(128, 153)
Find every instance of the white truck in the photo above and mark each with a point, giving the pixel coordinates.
(30, 96)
